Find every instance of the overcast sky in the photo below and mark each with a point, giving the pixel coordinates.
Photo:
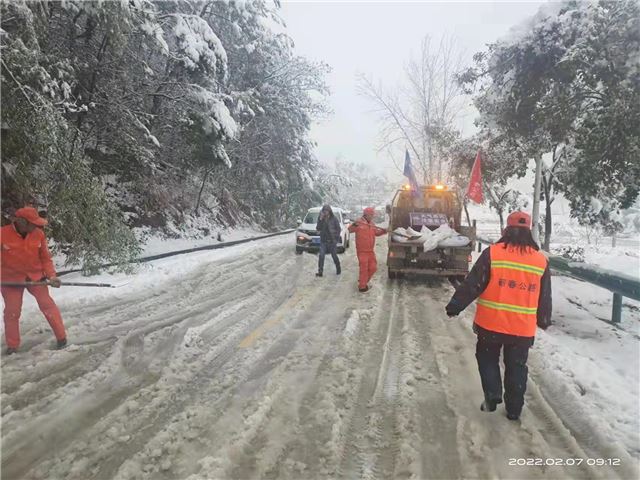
(377, 39)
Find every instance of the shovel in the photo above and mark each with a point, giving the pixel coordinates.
(62, 284)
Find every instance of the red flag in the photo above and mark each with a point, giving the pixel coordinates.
(474, 191)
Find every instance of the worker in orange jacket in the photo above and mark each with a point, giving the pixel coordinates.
(366, 232)
(512, 283)
(26, 258)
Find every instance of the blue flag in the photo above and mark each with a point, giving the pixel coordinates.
(408, 172)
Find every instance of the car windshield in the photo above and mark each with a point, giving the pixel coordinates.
(312, 217)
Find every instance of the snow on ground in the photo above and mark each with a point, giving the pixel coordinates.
(148, 275)
(621, 259)
(155, 244)
(587, 366)
(239, 363)
(624, 258)
(592, 367)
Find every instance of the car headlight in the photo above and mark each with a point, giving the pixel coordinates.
(302, 237)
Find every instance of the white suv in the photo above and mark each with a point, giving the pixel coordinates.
(308, 238)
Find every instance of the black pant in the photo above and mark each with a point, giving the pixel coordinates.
(515, 372)
(324, 249)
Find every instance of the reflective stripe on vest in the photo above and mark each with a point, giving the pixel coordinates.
(507, 308)
(523, 267)
(509, 304)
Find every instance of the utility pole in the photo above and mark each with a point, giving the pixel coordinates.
(535, 214)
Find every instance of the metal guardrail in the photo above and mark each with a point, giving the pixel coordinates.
(188, 250)
(620, 284)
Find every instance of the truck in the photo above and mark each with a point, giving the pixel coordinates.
(428, 207)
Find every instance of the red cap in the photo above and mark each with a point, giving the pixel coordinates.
(519, 219)
(369, 211)
(31, 215)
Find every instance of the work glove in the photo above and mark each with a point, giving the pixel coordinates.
(55, 282)
(544, 322)
(451, 309)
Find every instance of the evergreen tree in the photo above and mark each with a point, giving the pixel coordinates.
(567, 84)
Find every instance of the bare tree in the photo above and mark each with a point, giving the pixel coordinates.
(421, 114)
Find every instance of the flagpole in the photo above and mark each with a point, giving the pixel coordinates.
(535, 214)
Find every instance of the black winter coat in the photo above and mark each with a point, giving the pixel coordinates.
(329, 229)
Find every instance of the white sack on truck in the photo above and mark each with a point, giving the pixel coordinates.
(403, 235)
(443, 236)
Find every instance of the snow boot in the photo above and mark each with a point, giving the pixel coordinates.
(319, 274)
(489, 404)
(61, 344)
(338, 270)
(513, 416)
(11, 351)
(362, 290)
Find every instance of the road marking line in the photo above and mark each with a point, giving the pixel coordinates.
(385, 348)
(271, 322)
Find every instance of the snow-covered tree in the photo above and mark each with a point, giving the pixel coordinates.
(566, 84)
(178, 109)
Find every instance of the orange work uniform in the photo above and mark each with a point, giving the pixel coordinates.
(366, 233)
(26, 259)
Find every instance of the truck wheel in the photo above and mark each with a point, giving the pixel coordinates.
(299, 251)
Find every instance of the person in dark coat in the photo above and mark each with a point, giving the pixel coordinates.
(329, 228)
(512, 283)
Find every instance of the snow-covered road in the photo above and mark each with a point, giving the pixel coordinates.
(250, 367)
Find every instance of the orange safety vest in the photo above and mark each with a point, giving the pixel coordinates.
(509, 304)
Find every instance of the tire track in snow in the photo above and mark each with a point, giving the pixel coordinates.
(134, 311)
(261, 380)
(435, 423)
(364, 430)
(14, 465)
(325, 405)
(483, 436)
(192, 386)
(179, 312)
(380, 385)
